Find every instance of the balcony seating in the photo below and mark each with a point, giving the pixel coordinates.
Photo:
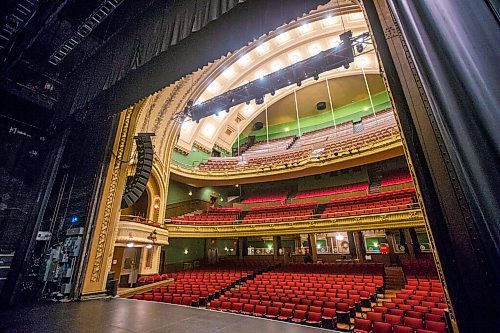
(141, 220)
(216, 216)
(370, 203)
(333, 190)
(285, 213)
(328, 142)
(399, 177)
(272, 198)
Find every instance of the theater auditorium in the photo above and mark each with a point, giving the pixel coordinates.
(249, 166)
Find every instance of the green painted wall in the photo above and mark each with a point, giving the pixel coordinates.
(221, 244)
(353, 111)
(178, 192)
(326, 180)
(174, 252)
(196, 156)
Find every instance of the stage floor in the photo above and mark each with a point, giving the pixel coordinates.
(124, 315)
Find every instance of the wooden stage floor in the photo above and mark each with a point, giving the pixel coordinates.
(125, 315)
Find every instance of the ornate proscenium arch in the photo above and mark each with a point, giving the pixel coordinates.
(335, 57)
(137, 185)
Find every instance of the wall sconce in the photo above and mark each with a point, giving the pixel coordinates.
(153, 236)
(190, 193)
(186, 251)
(149, 246)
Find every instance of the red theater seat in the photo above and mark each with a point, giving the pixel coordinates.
(380, 327)
(314, 319)
(362, 325)
(436, 326)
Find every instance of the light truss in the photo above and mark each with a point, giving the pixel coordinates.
(97, 17)
(335, 57)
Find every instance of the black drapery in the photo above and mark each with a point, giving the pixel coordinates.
(169, 41)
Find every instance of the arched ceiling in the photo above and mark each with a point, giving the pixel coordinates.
(292, 42)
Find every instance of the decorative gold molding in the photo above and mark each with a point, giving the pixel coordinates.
(104, 232)
(140, 233)
(393, 220)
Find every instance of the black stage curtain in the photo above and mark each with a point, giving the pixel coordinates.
(169, 41)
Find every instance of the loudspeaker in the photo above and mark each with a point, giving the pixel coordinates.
(320, 106)
(257, 126)
(136, 184)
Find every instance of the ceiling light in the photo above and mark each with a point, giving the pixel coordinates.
(262, 49)
(248, 110)
(295, 57)
(305, 28)
(283, 37)
(130, 244)
(214, 87)
(228, 73)
(209, 129)
(329, 20)
(334, 42)
(149, 246)
(187, 126)
(260, 74)
(244, 60)
(276, 66)
(362, 62)
(314, 49)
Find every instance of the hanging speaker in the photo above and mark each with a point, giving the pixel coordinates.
(257, 126)
(136, 184)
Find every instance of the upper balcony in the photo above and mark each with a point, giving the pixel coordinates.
(373, 139)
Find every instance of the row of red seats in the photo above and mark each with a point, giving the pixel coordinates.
(398, 177)
(419, 267)
(408, 325)
(369, 208)
(333, 190)
(346, 270)
(314, 316)
(266, 198)
(152, 278)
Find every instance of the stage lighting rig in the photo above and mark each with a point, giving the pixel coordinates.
(335, 57)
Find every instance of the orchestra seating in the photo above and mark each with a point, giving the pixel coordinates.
(370, 203)
(195, 287)
(217, 216)
(311, 294)
(425, 268)
(419, 307)
(327, 142)
(282, 213)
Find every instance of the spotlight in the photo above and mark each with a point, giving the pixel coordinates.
(247, 102)
(299, 83)
(360, 47)
(273, 92)
(316, 77)
(197, 121)
(347, 65)
(259, 100)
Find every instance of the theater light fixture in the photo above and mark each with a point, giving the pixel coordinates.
(149, 246)
(130, 244)
(298, 71)
(339, 237)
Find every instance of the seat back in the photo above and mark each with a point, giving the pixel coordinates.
(380, 327)
(362, 324)
(300, 314)
(392, 319)
(437, 326)
(413, 322)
